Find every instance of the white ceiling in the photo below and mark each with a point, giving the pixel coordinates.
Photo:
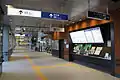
(44, 5)
(74, 8)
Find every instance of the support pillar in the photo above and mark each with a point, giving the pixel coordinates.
(5, 43)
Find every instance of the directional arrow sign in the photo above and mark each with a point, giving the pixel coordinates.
(51, 15)
(56, 16)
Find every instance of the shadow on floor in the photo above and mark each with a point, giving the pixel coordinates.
(16, 76)
(100, 68)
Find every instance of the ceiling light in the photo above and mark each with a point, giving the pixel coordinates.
(24, 28)
(9, 6)
(80, 19)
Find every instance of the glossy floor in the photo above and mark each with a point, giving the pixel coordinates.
(27, 65)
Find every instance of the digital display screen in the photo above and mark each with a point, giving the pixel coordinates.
(92, 35)
(98, 15)
(78, 37)
(97, 35)
(89, 36)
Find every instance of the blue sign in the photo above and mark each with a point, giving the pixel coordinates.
(28, 35)
(54, 16)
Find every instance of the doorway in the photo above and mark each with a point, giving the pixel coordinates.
(61, 48)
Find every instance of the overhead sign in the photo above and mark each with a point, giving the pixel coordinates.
(28, 35)
(56, 29)
(56, 16)
(98, 15)
(23, 12)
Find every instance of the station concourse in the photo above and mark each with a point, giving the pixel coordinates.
(25, 65)
(59, 40)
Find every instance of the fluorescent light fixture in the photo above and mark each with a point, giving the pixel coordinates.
(1, 34)
(18, 28)
(80, 19)
(23, 35)
(17, 34)
(9, 6)
(62, 29)
(23, 12)
(24, 28)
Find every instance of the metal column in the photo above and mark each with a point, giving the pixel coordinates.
(5, 43)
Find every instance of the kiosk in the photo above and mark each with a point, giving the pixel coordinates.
(94, 46)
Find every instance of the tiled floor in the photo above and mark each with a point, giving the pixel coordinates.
(26, 65)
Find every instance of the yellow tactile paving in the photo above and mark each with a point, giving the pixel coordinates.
(40, 74)
(37, 71)
(38, 68)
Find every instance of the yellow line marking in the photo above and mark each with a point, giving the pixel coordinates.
(38, 73)
(27, 57)
(11, 59)
(38, 68)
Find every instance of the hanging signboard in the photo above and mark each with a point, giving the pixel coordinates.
(23, 12)
(56, 29)
(56, 16)
(98, 15)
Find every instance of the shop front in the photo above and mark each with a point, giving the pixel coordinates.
(94, 47)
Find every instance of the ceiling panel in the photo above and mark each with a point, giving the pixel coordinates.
(45, 5)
